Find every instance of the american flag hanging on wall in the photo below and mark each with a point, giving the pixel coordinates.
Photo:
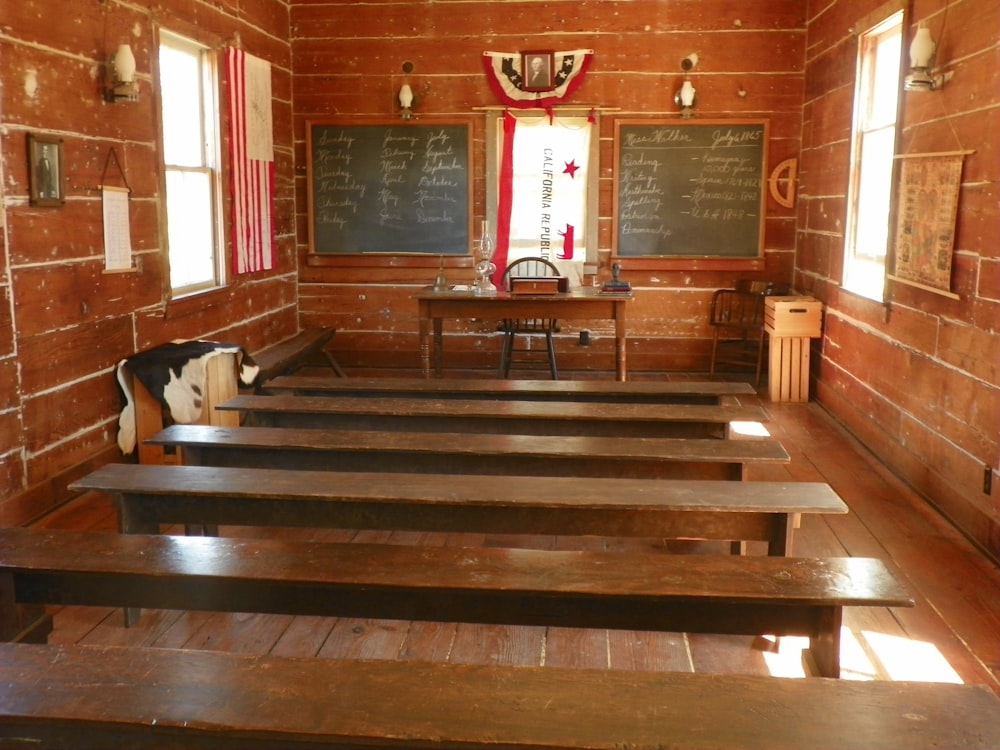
(251, 148)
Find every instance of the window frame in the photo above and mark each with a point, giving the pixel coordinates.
(865, 269)
(211, 160)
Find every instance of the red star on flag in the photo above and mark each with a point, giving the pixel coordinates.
(571, 168)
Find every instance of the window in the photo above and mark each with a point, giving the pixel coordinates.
(873, 144)
(551, 188)
(191, 157)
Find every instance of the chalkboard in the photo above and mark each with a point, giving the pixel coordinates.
(389, 187)
(689, 189)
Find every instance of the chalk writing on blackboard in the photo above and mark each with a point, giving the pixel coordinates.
(389, 187)
(689, 189)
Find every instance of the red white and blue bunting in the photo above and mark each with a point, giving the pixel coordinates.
(503, 71)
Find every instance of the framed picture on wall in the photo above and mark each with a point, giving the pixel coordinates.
(45, 170)
(536, 69)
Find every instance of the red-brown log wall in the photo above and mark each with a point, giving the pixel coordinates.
(347, 59)
(917, 379)
(64, 323)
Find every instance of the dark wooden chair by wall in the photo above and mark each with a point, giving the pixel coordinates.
(737, 321)
(532, 327)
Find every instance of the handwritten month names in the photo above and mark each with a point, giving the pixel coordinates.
(418, 179)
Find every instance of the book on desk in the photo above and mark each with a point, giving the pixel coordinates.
(616, 287)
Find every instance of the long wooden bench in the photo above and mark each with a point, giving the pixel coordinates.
(457, 453)
(484, 416)
(289, 355)
(601, 391)
(94, 698)
(632, 591)
(147, 497)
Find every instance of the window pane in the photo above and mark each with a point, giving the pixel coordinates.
(180, 89)
(190, 228)
(886, 80)
(874, 191)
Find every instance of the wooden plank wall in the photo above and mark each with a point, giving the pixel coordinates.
(638, 47)
(918, 379)
(63, 322)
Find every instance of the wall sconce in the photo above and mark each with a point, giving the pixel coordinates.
(685, 98)
(121, 68)
(406, 97)
(922, 50)
(406, 101)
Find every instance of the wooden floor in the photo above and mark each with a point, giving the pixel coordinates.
(953, 634)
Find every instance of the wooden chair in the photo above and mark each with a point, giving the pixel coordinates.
(737, 321)
(531, 326)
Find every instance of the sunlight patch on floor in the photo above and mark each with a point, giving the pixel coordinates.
(784, 657)
(904, 659)
(865, 656)
(749, 429)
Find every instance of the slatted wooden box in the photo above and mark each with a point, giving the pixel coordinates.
(793, 316)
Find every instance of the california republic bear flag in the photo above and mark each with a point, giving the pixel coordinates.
(542, 197)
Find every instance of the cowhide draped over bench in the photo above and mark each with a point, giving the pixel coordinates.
(174, 374)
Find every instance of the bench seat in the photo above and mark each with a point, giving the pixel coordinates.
(485, 416)
(599, 391)
(287, 356)
(147, 497)
(632, 591)
(94, 698)
(442, 453)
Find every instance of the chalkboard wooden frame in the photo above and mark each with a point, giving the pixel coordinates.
(658, 214)
(354, 166)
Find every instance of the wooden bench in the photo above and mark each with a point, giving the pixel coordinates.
(757, 595)
(484, 416)
(147, 497)
(601, 391)
(287, 356)
(457, 453)
(101, 697)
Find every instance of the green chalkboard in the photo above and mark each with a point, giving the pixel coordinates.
(689, 188)
(389, 186)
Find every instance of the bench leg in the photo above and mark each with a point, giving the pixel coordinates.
(825, 646)
(334, 364)
(782, 530)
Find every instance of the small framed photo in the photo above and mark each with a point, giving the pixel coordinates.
(45, 170)
(536, 70)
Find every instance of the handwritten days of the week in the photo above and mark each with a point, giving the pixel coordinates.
(725, 185)
(415, 180)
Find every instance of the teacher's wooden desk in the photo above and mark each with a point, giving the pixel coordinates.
(578, 304)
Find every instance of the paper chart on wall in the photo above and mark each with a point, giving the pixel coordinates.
(117, 231)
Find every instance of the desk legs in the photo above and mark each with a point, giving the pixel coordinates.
(621, 367)
(425, 344)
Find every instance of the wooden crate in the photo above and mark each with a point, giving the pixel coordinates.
(788, 373)
(793, 316)
(220, 386)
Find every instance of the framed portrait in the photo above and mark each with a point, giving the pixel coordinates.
(536, 70)
(45, 170)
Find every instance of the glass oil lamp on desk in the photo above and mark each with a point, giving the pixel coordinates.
(485, 267)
